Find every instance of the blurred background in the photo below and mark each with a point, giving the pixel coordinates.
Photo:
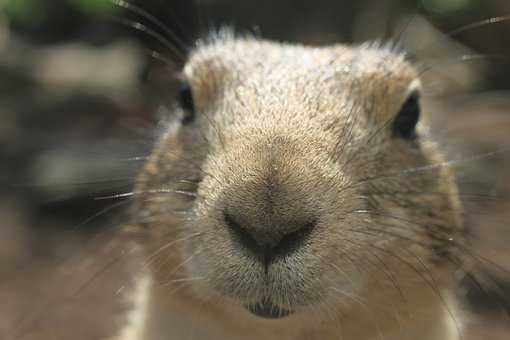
(82, 92)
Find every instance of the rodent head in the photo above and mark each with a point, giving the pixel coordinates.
(305, 163)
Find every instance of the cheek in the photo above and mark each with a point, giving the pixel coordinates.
(215, 257)
(338, 257)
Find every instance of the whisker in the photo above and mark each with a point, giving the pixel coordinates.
(204, 19)
(429, 167)
(149, 191)
(363, 305)
(460, 59)
(187, 193)
(414, 193)
(187, 279)
(159, 57)
(449, 240)
(366, 142)
(151, 257)
(136, 159)
(160, 38)
(401, 33)
(432, 285)
(106, 267)
(183, 263)
(101, 213)
(481, 23)
(152, 19)
(49, 185)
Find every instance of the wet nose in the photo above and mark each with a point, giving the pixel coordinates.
(268, 241)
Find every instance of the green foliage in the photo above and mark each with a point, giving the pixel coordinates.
(448, 6)
(25, 11)
(32, 12)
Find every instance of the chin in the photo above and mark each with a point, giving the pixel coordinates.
(279, 292)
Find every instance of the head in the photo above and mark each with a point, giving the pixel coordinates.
(288, 172)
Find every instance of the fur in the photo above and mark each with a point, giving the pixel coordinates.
(284, 134)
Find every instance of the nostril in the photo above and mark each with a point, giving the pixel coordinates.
(294, 240)
(241, 234)
(268, 246)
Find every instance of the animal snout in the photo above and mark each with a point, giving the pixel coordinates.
(270, 206)
(268, 240)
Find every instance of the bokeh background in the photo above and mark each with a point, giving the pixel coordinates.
(81, 98)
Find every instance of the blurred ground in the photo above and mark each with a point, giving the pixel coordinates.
(79, 105)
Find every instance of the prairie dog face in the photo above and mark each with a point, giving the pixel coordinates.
(293, 172)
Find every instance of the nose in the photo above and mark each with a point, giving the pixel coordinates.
(269, 241)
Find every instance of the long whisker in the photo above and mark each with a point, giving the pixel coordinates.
(401, 33)
(460, 59)
(159, 57)
(152, 19)
(430, 167)
(432, 285)
(189, 279)
(474, 25)
(364, 306)
(154, 255)
(160, 38)
(149, 191)
(450, 241)
(183, 263)
(101, 213)
(481, 23)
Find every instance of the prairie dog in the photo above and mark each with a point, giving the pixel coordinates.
(296, 195)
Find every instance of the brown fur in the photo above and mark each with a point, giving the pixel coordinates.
(288, 133)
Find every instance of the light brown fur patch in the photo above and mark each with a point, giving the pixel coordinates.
(288, 133)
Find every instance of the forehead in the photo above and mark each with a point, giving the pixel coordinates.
(251, 58)
(295, 75)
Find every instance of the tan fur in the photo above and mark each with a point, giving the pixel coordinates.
(309, 126)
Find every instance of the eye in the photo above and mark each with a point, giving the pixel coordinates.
(187, 103)
(404, 125)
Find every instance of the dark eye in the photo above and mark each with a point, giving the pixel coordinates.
(187, 103)
(404, 125)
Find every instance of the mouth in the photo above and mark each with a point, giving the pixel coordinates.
(267, 310)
